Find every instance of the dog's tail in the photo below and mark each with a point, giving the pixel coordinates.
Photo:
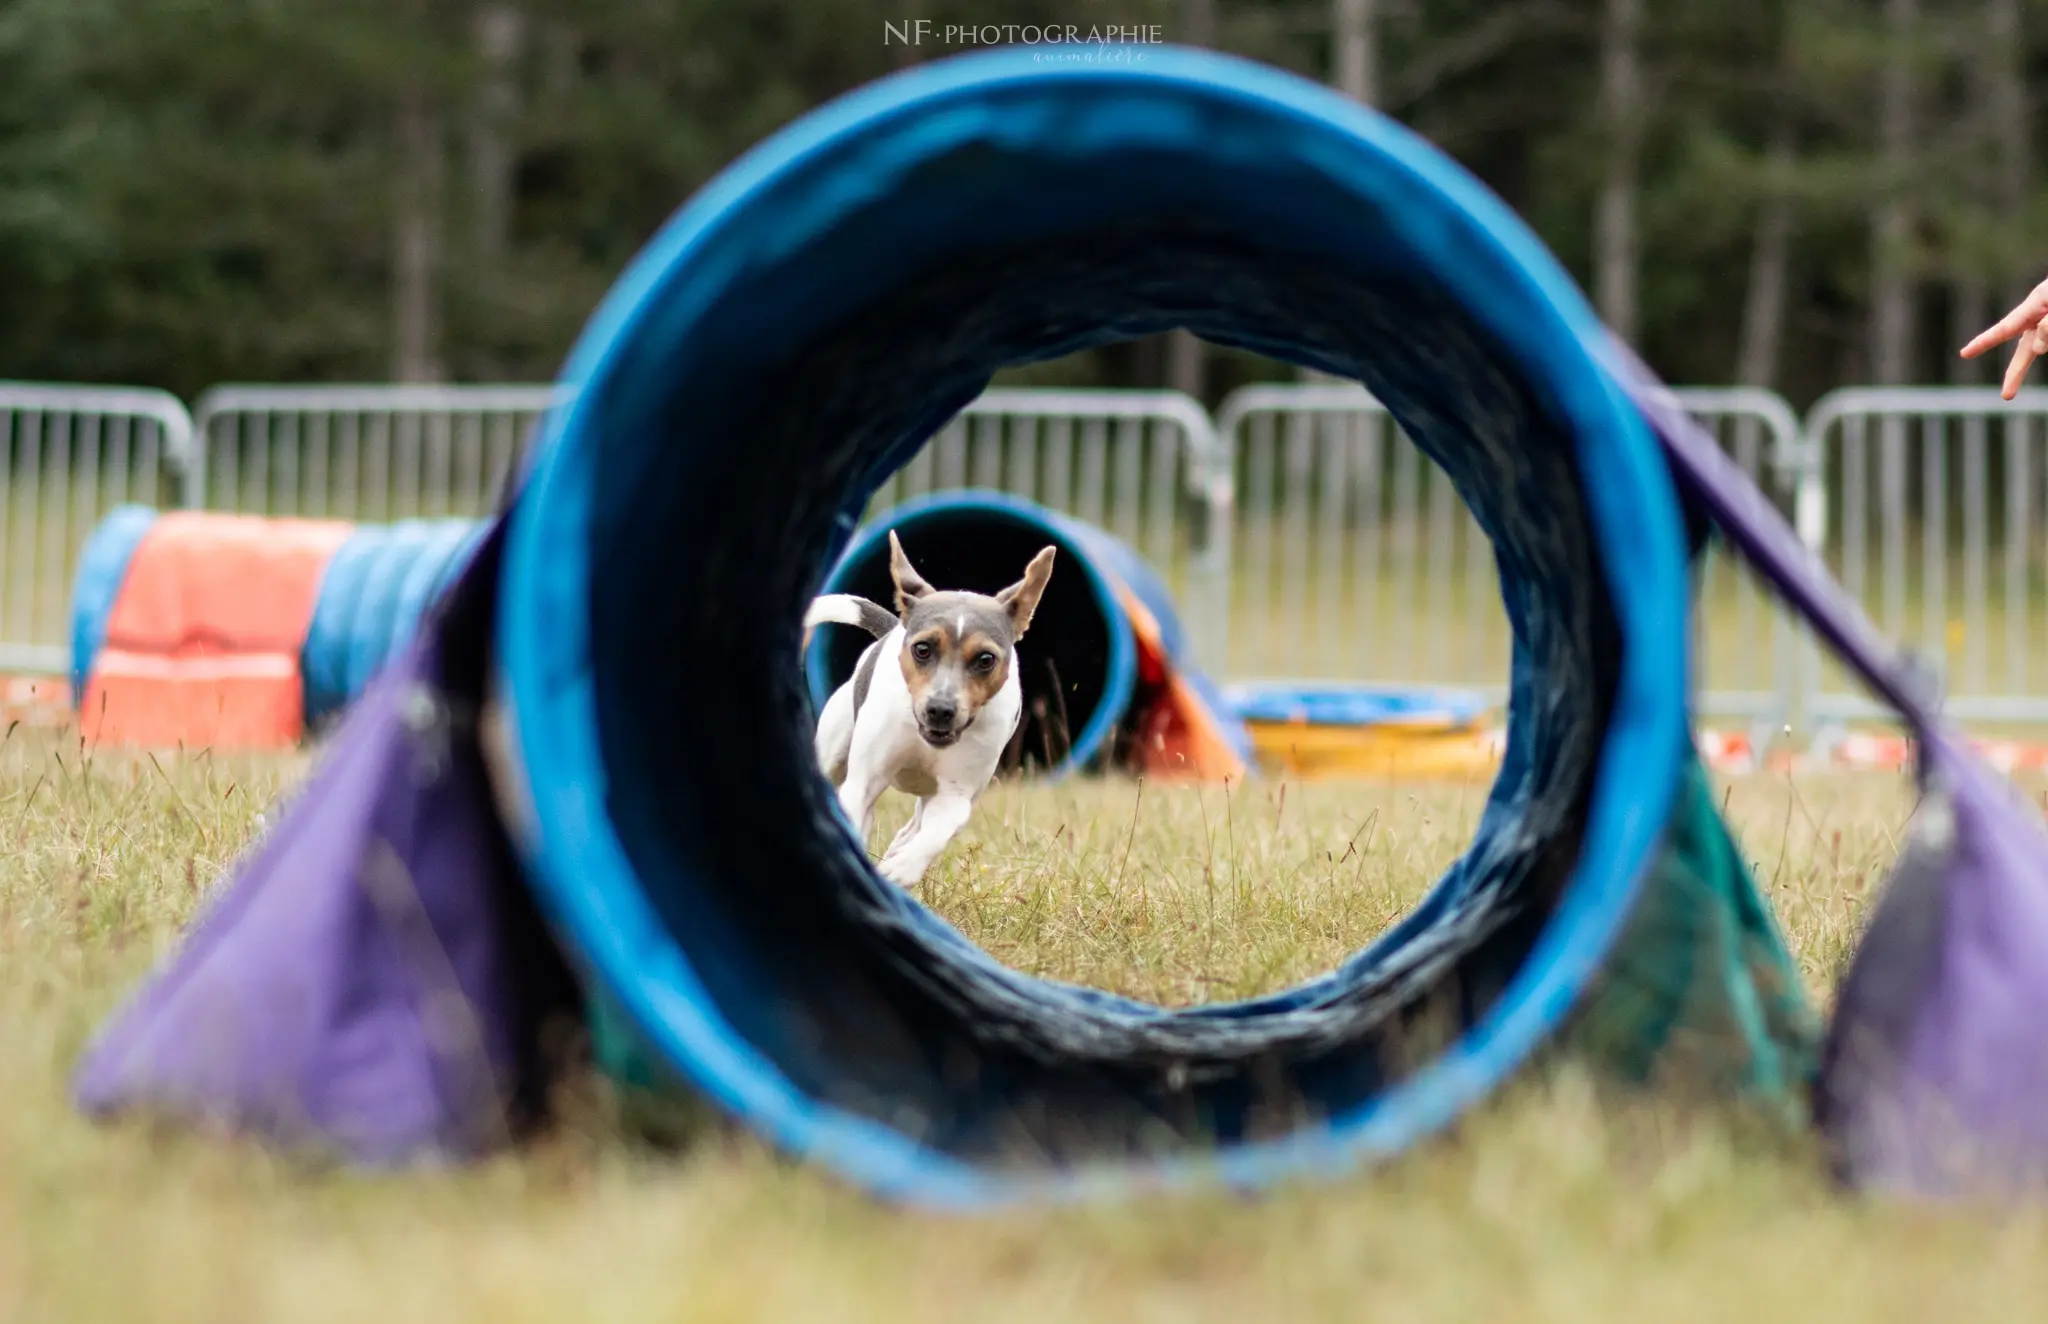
(846, 609)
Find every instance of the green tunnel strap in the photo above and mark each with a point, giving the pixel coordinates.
(653, 1102)
(1701, 991)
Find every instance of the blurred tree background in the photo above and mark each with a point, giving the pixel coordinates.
(1795, 193)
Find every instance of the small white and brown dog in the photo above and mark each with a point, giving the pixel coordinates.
(929, 708)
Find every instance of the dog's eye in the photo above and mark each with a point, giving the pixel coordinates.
(984, 661)
(922, 650)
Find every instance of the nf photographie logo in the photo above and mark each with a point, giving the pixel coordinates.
(1059, 42)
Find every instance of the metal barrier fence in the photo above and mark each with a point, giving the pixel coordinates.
(1355, 557)
(1937, 517)
(1133, 462)
(1139, 464)
(1301, 533)
(372, 453)
(68, 455)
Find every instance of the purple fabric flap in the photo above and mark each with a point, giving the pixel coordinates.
(369, 981)
(1936, 1071)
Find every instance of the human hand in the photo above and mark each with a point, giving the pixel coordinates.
(2027, 322)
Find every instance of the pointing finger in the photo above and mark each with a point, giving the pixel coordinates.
(2019, 319)
(2023, 355)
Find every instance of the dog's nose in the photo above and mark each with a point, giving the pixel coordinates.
(939, 714)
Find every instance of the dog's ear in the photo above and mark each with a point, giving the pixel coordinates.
(910, 585)
(1021, 598)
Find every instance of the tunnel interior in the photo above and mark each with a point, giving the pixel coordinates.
(796, 335)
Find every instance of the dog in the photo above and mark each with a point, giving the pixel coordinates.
(930, 707)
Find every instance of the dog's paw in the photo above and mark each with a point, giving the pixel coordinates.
(899, 871)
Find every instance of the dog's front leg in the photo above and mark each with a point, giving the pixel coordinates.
(908, 830)
(937, 820)
(857, 796)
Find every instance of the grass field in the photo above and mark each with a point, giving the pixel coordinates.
(1550, 1205)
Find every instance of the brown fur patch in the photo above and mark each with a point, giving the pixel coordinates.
(920, 675)
(983, 686)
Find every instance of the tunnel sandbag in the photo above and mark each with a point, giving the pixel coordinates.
(244, 631)
(800, 329)
(1331, 729)
(1108, 677)
(187, 626)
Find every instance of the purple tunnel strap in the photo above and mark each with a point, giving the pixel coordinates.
(1754, 527)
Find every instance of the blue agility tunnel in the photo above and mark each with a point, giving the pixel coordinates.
(789, 339)
(372, 598)
(102, 566)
